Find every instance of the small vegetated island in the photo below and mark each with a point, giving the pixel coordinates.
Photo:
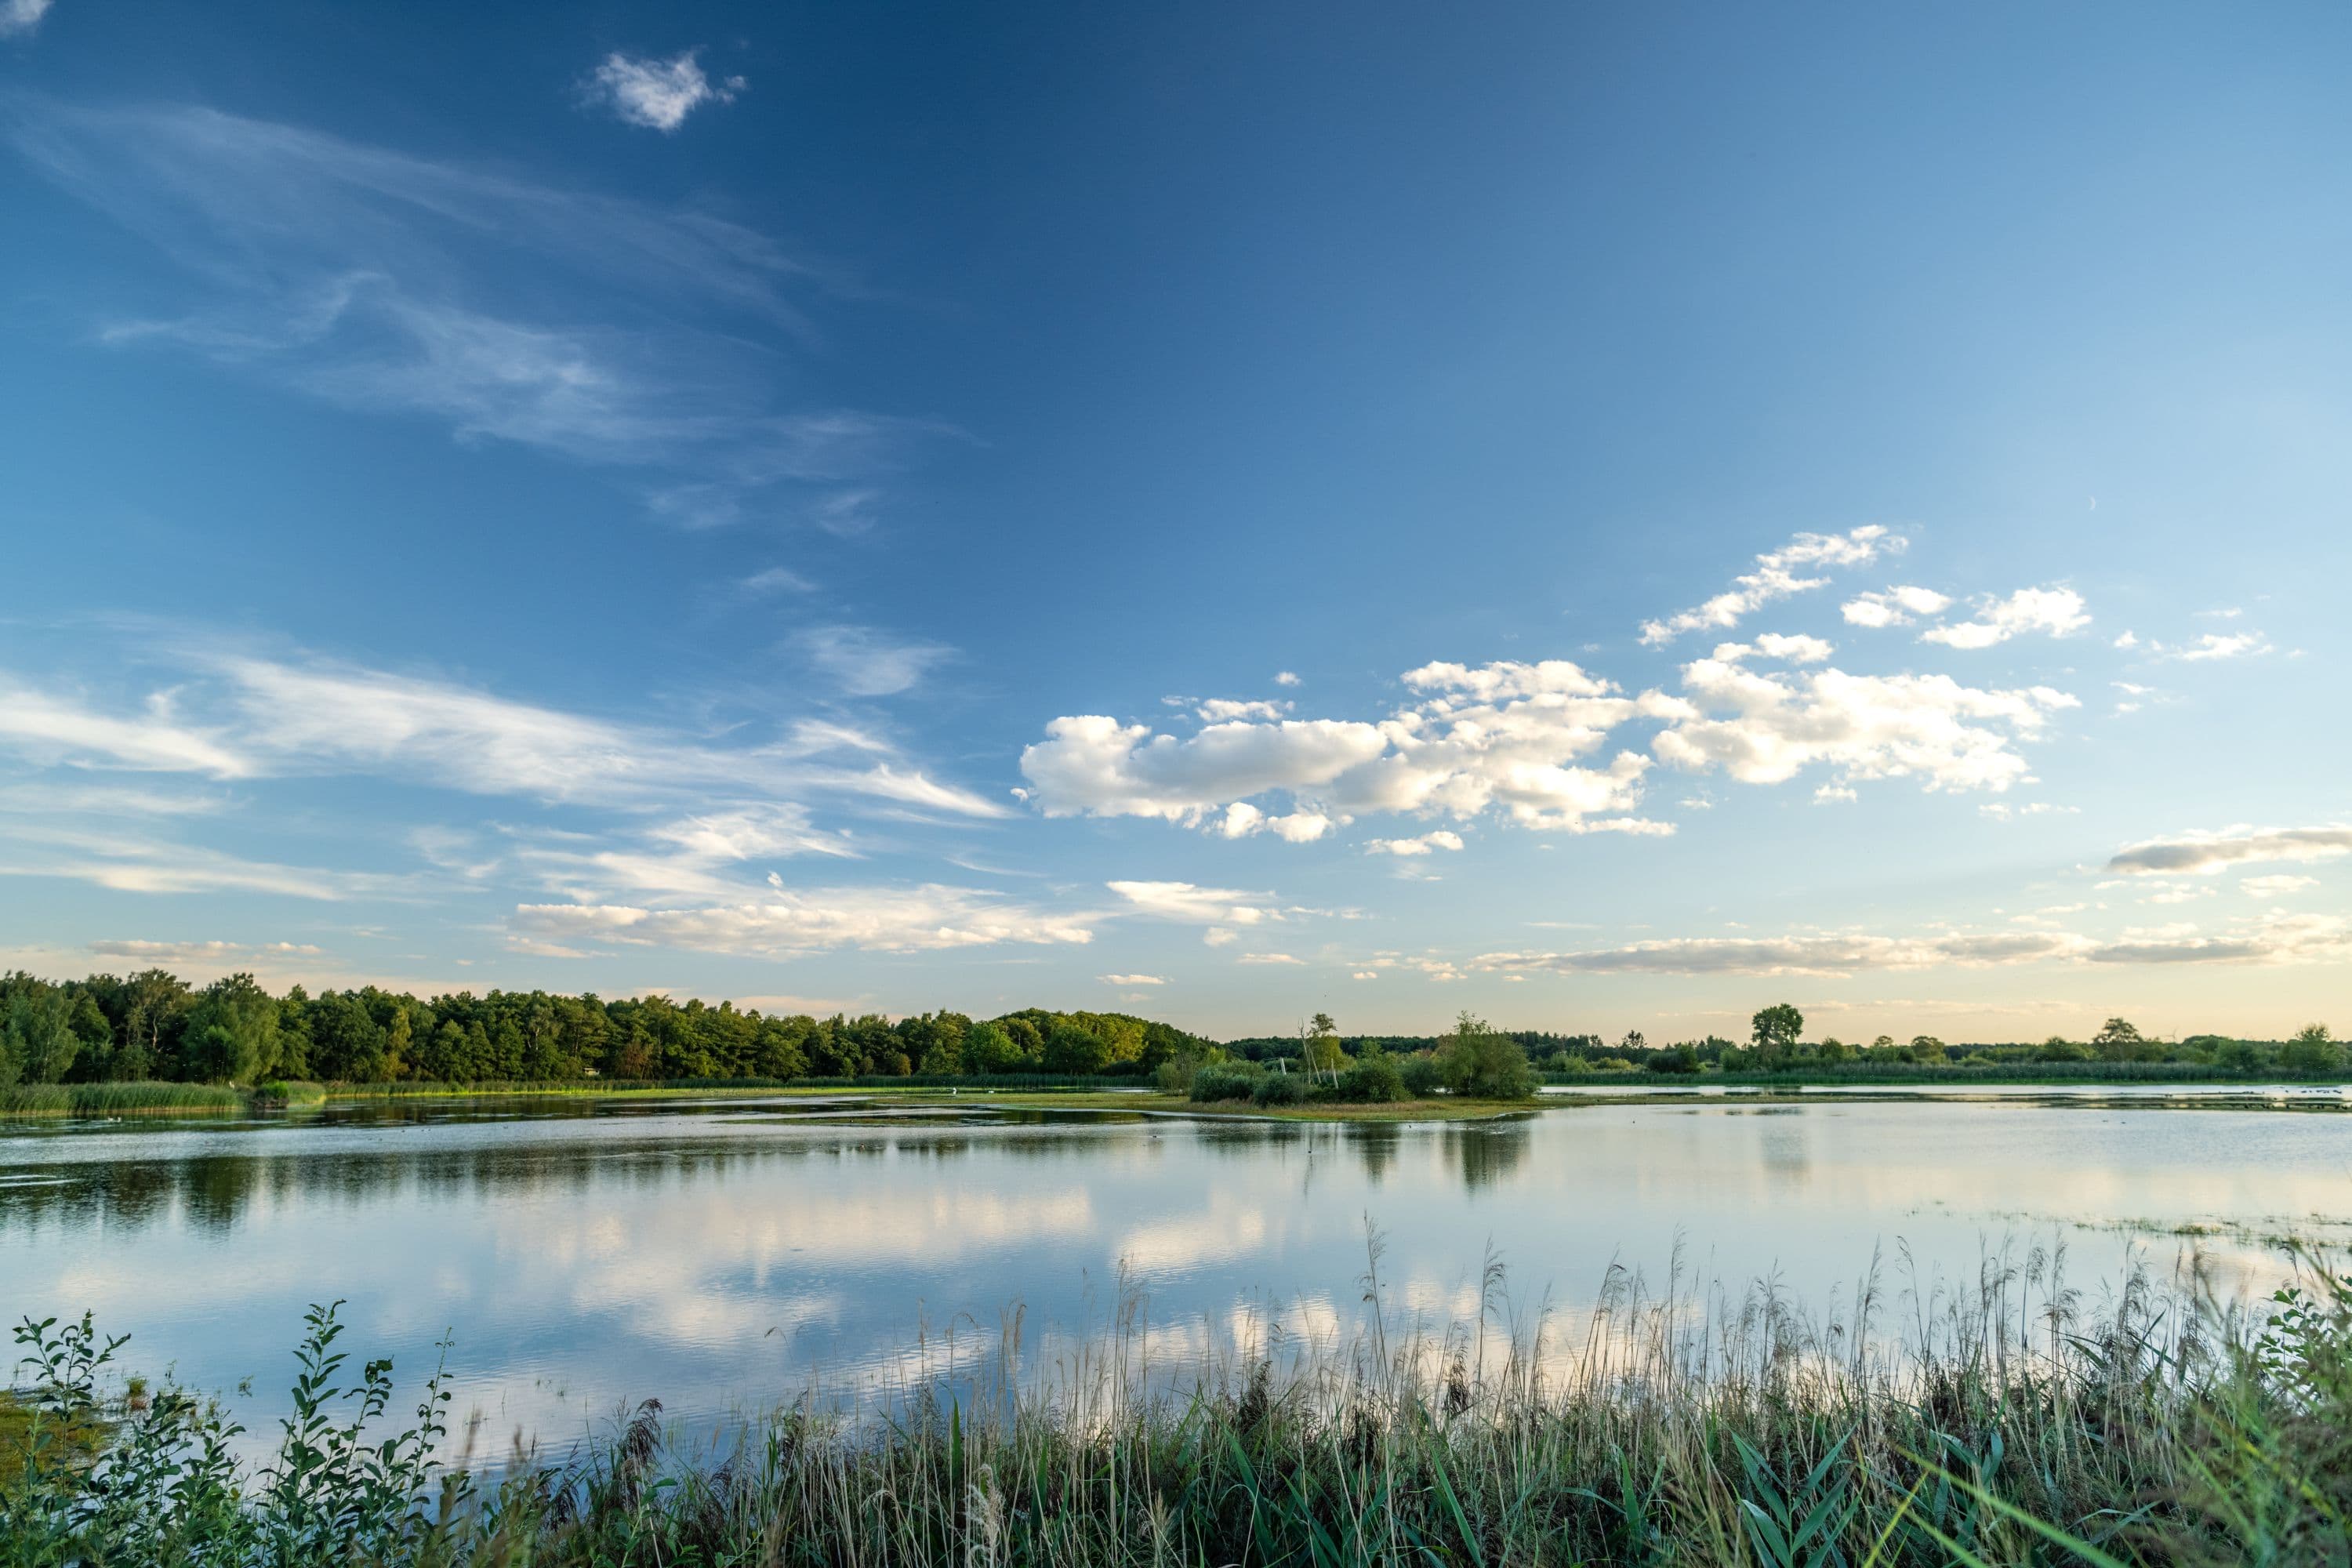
(153, 1041)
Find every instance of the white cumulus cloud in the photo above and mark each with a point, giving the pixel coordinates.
(1777, 576)
(1504, 736)
(1218, 709)
(1894, 608)
(1425, 844)
(656, 94)
(1797, 649)
(2057, 611)
(1766, 728)
(2215, 644)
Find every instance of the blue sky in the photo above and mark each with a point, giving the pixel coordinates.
(1605, 516)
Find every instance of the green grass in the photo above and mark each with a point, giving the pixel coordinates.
(1851, 1074)
(118, 1099)
(1034, 1083)
(2000, 1424)
(1446, 1109)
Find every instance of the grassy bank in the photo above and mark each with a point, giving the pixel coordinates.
(1445, 1110)
(1033, 1083)
(1981, 1429)
(2088, 1075)
(1023, 1092)
(119, 1099)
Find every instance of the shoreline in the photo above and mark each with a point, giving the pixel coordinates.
(201, 1101)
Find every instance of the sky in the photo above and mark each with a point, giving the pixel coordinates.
(1607, 517)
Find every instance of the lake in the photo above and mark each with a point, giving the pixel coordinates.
(719, 1254)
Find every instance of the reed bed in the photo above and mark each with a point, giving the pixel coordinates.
(2008, 1421)
(118, 1098)
(410, 1089)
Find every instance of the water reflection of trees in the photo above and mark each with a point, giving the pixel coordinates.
(215, 1192)
(1486, 1153)
(1480, 1152)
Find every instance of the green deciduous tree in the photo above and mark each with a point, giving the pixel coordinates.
(38, 1043)
(1318, 1046)
(1073, 1051)
(233, 1031)
(2313, 1050)
(1777, 1029)
(2118, 1041)
(1479, 1063)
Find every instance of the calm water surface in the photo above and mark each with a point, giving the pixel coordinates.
(716, 1254)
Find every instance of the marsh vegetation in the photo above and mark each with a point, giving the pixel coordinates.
(2005, 1423)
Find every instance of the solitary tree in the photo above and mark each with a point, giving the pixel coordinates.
(2118, 1041)
(1778, 1029)
(1319, 1045)
(1480, 1063)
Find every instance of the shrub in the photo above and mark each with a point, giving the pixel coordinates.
(1374, 1080)
(1479, 1063)
(1421, 1076)
(1682, 1059)
(1222, 1082)
(2312, 1051)
(1280, 1088)
(2239, 1056)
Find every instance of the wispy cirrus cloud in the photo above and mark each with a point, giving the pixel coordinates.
(2276, 939)
(784, 921)
(21, 17)
(605, 330)
(52, 728)
(132, 863)
(234, 715)
(865, 661)
(202, 954)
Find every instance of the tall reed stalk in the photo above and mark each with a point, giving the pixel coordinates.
(2004, 1422)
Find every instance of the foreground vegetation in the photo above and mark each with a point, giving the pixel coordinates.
(2006, 1425)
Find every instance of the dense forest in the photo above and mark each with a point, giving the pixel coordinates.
(154, 1026)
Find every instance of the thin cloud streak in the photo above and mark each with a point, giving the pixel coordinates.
(373, 279)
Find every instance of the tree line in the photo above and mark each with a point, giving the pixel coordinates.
(1777, 1044)
(154, 1026)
